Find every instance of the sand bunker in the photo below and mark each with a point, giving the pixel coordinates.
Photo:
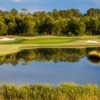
(92, 41)
(7, 39)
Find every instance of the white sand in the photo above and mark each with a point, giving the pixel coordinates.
(92, 41)
(7, 39)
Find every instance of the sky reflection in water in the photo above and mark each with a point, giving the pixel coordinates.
(80, 72)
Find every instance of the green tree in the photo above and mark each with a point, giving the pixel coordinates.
(46, 25)
(1, 12)
(3, 28)
(81, 28)
(92, 12)
(11, 28)
(14, 11)
(73, 25)
(29, 27)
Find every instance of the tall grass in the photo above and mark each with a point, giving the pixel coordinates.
(65, 91)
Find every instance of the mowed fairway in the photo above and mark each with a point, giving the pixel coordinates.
(40, 41)
(47, 41)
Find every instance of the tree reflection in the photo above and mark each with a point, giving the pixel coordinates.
(50, 54)
(94, 57)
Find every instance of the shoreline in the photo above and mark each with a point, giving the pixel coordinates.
(20, 43)
(16, 48)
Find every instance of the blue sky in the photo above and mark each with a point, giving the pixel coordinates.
(49, 5)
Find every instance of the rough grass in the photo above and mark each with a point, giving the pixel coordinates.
(65, 91)
(46, 41)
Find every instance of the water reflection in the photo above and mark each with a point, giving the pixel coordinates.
(50, 54)
(94, 57)
(54, 66)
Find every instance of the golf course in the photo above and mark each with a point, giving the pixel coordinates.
(49, 49)
(10, 44)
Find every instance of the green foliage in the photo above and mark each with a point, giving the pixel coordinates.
(70, 34)
(11, 28)
(29, 27)
(58, 22)
(92, 12)
(65, 91)
(3, 28)
(14, 12)
(81, 29)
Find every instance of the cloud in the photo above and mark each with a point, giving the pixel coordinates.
(21, 0)
(35, 10)
(17, 0)
(2, 8)
(90, 1)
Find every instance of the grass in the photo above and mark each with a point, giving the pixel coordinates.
(65, 91)
(51, 40)
(46, 41)
(40, 41)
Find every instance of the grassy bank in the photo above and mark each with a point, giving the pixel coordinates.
(64, 91)
(46, 41)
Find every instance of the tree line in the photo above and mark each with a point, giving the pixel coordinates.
(69, 22)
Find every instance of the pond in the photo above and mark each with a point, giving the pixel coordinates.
(51, 65)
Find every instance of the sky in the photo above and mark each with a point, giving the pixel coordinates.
(49, 5)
